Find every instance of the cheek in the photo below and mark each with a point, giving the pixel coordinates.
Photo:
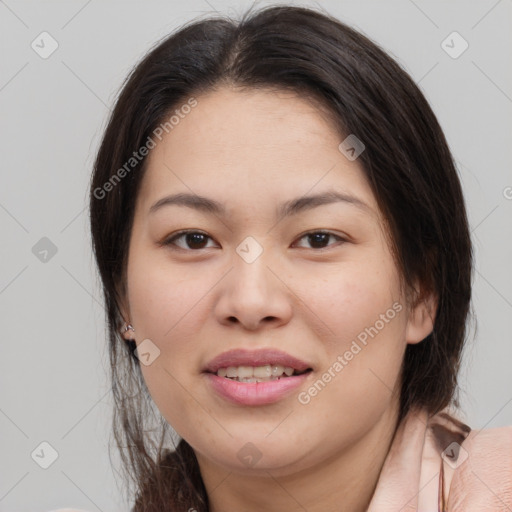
(362, 307)
(165, 307)
(165, 300)
(351, 297)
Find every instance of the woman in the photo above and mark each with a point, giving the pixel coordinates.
(283, 244)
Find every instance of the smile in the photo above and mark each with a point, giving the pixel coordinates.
(255, 377)
(265, 373)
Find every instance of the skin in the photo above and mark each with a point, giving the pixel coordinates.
(252, 150)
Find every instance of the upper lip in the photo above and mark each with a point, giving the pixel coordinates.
(262, 357)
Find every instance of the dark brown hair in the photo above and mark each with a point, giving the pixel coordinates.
(406, 161)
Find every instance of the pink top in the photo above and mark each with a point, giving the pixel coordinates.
(441, 465)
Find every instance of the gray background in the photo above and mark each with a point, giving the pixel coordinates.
(54, 361)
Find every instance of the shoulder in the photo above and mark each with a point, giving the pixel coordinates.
(439, 463)
(482, 474)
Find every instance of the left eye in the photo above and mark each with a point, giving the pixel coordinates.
(196, 239)
(320, 237)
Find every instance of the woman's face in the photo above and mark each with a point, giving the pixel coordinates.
(252, 279)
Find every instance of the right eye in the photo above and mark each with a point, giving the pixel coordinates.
(192, 239)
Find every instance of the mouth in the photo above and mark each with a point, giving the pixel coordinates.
(256, 365)
(255, 378)
(265, 373)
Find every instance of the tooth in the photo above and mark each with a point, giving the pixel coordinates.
(232, 371)
(277, 370)
(265, 372)
(245, 372)
(261, 372)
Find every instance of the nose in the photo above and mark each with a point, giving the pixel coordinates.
(253, 295)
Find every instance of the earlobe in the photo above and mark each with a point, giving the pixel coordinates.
(421, 320)
(125, 331)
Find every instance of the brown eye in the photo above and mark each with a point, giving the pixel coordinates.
(192, 240)
(320, 239)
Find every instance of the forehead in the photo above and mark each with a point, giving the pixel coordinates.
(251, 143)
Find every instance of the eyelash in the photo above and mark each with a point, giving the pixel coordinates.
(170, 241)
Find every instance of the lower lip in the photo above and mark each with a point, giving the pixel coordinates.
(255, 393)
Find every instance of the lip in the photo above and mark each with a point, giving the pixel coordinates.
(261, 357)
(255, 393)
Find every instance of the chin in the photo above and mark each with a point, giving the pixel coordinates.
(257, 454)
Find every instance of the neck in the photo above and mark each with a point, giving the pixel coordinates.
(345, 481)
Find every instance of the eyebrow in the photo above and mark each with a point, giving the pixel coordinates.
(288, 208)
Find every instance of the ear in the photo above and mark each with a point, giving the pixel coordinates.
(421, 318)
